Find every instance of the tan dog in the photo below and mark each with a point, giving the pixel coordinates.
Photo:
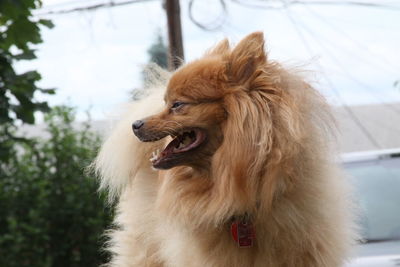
(246, 179)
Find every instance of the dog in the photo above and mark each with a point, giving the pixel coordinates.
(244, 174)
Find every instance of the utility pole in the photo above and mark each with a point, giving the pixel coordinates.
(175, 48)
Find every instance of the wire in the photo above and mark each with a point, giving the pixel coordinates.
(285, 3)
(345, 70)
(348, 3)
(218, 22)
(347, 36)
(263, 6)
(391, 107)
(92, 7)
(282, 5)
(63, 4)
(352, 115)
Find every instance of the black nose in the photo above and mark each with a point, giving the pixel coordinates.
(137, 124)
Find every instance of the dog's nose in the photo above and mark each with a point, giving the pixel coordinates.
(137, 124)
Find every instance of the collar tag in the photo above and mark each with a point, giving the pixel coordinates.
(243, 232)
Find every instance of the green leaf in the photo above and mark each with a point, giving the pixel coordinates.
(18, 29)
(48, 23)
(26, 115)
(50, 91)
(31, 75)
(22, 32)
(42, 106)
(27, 55)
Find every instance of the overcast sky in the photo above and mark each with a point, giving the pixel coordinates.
(94, 58)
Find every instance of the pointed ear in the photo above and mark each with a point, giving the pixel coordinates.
(221, 48)
(247, 57)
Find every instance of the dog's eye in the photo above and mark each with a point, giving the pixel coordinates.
(177, 104)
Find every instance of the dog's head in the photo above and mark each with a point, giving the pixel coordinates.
(227, 113)
(215, 104)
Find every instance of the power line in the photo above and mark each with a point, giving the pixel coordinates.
(356, 42)
(278, 5)
(282, 4)
(64, 4)
(92, 7)
(348, 3)
(345, 70)
(351, 53)
(259, 4)
(216, 25)
(349, 111)
(393, 108)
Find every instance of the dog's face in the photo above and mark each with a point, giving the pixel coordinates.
(217, 111)
(192, 116)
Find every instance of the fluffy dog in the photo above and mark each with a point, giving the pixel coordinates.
(244, 177)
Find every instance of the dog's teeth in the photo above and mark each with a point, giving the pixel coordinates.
(154, 155)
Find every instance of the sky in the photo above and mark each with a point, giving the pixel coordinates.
(94, 58)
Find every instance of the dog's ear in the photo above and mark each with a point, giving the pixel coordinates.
(220, 49)
(246, 58)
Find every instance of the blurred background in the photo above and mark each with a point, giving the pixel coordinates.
(96, 52)
(65, 65)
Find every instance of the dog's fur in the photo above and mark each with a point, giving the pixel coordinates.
(266, 155)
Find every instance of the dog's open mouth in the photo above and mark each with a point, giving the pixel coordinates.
(180, 145)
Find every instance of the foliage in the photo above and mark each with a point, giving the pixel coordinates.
(158, 55)
(19, 31)
(50, 212)
(158, 52)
